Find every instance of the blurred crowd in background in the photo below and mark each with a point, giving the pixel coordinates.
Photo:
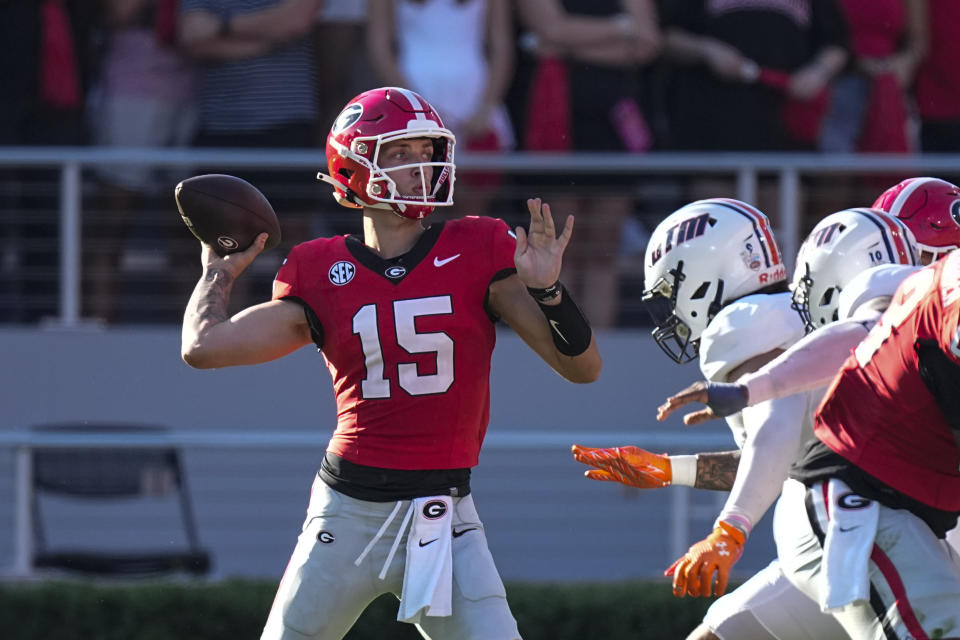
(627, 76)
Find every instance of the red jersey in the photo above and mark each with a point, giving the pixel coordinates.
(408, 340)
(880, 414)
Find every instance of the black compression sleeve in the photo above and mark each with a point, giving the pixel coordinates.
(568, 326)
(942, 377)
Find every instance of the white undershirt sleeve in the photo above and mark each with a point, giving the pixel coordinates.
(810, 363)
(774, 433)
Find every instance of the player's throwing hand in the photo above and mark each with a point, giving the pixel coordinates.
(234, 263)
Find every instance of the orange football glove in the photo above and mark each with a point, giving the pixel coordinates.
(632, 466)
(693, 573)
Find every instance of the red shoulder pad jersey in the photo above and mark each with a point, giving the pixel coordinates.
(407, 341)
(879, 414)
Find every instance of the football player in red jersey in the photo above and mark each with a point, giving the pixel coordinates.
(861, 523)
(404, 317)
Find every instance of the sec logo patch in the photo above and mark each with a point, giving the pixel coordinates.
(342, 272)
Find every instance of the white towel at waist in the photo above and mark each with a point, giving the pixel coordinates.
(850, 534)
(428, 574)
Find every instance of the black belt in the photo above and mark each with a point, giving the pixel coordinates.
(376, 484)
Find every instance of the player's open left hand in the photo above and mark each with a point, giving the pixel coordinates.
(722, 399)
(234, 263)
(631, 466)
(539, 253)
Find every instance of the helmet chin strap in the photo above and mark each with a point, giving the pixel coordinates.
(717, 303)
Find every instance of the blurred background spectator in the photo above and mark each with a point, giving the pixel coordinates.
(749, 76)
(582, 96)
(342, 67)
(460, 53)
(48, 57)
(938, 80)
(257, 89)
(868, 104)
(869, 108)
(737, 66)
(144, 98)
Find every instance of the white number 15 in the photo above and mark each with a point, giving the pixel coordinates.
(405, 313)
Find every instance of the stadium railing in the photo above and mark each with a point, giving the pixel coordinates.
(23, 442)
(746, 168)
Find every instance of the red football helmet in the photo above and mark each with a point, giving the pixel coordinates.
(930, 207)
(369, 121)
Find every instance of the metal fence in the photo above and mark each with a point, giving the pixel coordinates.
(535, 503)
(67, 187)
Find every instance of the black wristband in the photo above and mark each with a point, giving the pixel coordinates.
(543, 295)
(726, 398)
(569, 328)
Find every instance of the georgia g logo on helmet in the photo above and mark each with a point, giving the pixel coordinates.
(347, 117)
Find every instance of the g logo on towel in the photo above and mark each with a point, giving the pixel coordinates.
(434, 509)
(325, 537)
(852, 501)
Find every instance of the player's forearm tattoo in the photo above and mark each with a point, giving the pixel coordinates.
(209, 302)
(717, 471)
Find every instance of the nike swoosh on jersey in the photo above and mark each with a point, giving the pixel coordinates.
(554, 325)
(437, 262)
(457, 534)
(423, 544)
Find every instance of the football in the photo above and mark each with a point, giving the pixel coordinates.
(226, 212)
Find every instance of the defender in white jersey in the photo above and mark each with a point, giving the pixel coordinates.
(717, 288)
(768, 606)
(930, 208)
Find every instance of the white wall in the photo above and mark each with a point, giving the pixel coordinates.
(537, 506)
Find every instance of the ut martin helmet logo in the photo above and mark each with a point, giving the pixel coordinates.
(347, 117)
(434, 509)
(341, 272)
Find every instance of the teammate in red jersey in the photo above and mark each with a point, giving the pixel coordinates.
(860, 525)
(404, 317)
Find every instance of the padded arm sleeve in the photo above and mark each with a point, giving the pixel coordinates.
(774, 434)
(809, 364)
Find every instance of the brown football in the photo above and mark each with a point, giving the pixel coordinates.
(226, 212)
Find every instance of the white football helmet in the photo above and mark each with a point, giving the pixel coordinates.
(699, 258)
(841, 246)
